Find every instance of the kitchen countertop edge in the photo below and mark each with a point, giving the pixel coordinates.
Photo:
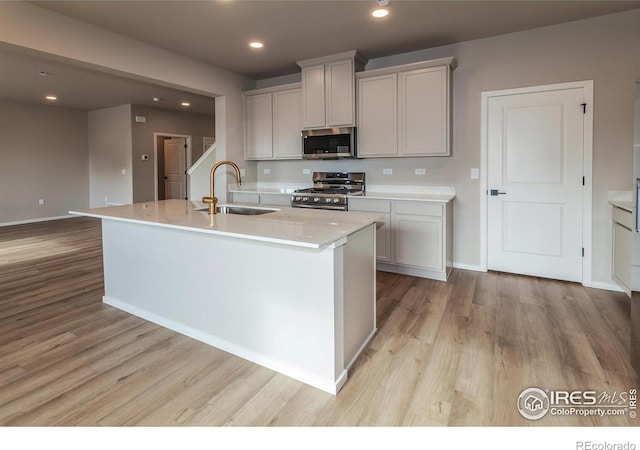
(148, 213)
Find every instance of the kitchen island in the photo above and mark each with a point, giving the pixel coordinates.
(292, 290)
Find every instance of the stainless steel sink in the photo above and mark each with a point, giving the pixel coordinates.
(242, 210)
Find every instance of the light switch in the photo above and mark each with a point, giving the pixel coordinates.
(420, 171)
(475, 173)
(124, 171)
(306, 171)
(266, 171)
(387, 171)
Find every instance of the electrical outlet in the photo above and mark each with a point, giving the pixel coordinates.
(242, 172)
(420, 171)
(306, 171)
(475, 173)
(41, 202)
(387, 171)
(124, 171)
(266, 171)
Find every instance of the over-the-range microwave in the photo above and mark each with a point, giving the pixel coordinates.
(329, 143)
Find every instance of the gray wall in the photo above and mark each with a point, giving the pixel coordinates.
(74, 42)
(168, 122)
(43, 154)
(604, 49)
(110, 155)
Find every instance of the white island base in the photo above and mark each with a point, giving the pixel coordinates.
(304, 312)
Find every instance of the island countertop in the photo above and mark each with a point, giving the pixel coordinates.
(289, 226)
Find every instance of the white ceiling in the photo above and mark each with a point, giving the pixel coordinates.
(218, 31)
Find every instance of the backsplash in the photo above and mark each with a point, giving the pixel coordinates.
(437, 171)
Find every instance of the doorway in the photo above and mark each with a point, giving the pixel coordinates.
(172, 160)
(536, 181)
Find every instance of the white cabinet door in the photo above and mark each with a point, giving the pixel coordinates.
(258, 126)
(424, 112)
(287, 124)
(377, 116)
(313, 97)
(383, 234)
(418, 241)
(622, 255)
(383, 240)
(339, 94)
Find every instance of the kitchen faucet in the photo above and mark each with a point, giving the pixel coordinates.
(212, 200)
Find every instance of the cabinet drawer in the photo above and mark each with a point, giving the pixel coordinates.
(419, 208)
(623, 217)
(361, 204)
(246, 197)
(275, 199)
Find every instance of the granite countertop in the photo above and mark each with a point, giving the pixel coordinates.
(621, 199)
(622, 204)
(289, 226)
(436, 195)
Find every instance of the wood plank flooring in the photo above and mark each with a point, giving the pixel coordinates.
(447, 354)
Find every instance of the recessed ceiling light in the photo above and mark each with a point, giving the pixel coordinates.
(156, 99)
(51, 97)
(256, 44)
(44, 73)
(185, 104)
(379, 13)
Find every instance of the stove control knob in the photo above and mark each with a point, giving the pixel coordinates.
(328, 200)
(336, 200)
(305, 199)
(297, 198)
(316, 199)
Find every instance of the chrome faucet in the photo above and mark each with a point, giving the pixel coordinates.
(212, 201)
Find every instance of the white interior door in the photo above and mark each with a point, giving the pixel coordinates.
(535, 175)
(174, 168)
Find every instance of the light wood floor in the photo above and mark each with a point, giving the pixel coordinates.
(456, 353)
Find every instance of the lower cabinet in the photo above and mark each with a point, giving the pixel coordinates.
(621, 264)
(416, 238)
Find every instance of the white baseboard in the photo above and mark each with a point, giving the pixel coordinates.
(472, 267)
(42, 219)
(606, 285)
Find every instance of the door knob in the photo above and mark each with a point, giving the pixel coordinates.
(496, 192)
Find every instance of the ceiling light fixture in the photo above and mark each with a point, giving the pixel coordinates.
(51, 97)
(156, 99)
(256, 44)
(44, 73)
(381, 11)
(185, 104)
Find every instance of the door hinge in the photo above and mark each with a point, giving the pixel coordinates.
(583, 252)
(583, 180)
(584, 108)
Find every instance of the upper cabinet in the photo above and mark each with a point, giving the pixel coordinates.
(405, 110)
(272, 123)
(328, 90)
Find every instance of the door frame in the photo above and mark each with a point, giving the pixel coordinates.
(155, 160)
(587, 191)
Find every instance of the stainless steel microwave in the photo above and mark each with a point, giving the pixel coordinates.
(329, 143)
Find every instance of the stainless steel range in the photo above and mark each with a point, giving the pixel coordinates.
(330, 191)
